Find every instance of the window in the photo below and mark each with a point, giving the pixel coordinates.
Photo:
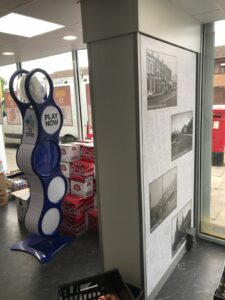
(60, 69)
(11, 116)
(85, 96)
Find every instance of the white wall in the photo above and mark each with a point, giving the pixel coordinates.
(158, 158)
(166, 21)
(114, 83)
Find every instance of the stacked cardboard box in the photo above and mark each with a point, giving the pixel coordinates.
(3, 195)
(22, 202)
(77, 164)
(73, 221)
(69, 153)
(93, 219)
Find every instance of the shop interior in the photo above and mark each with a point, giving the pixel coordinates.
(112, 150)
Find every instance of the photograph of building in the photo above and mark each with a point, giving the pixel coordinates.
(161, 80)
(181, 133)
(181, 223)
(162, 197)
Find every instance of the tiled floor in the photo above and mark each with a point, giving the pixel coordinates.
(197, 275)
(22, 277)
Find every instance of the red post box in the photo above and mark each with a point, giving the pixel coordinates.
(218, 135)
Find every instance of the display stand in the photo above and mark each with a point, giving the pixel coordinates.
(38, 157)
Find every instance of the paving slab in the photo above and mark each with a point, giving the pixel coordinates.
(218, 171)
(216, 182)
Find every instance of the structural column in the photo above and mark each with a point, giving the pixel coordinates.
(109, 30)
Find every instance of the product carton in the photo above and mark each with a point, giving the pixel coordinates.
(72, 206)
(81, 170)
(87, 152)
(93, 219)
(22, 203)
(69, 152)
(83, 188)
(2, 184)
(3, 199)
(88, 203)
(66, 168)
(68, 185)
(73, 227)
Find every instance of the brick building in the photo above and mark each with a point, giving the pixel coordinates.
(159, 76)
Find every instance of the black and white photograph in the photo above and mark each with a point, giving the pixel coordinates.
(181, 223)
(162, 197)
(181, 134)
(161, 80)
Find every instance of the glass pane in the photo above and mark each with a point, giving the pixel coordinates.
(85, 98)
(60, 69)
(12, 129)
(213, 201)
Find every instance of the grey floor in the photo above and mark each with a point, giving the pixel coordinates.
(22, 277)
(197, 275)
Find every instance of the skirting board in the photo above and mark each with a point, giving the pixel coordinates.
(167, 274)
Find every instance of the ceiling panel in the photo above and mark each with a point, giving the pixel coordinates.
(211, 16)
(13, 4)
(41, 46)
(63, 12)
(194, 7)
(3, 12)
(221, 3)
(57, 11)
(204, 11)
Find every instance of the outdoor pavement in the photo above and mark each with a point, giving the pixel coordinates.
(217, 209)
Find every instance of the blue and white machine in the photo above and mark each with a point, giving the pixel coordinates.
(38, 156)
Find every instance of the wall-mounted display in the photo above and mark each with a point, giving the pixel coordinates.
(161, 78)
(180, 224)
(167, 124)
(181, 133)
(162, 197)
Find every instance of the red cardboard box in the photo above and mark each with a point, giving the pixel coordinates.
(94, 185)
(73, 227)
(82, 189)
(88, 203)
(87, 152)
(69, 152)
(72, 206)
(80, 170)
(68, 185)
(93, 219)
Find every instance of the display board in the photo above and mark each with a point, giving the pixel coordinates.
(12, 111)
(62, 96)
(167, 118)
(1, 97)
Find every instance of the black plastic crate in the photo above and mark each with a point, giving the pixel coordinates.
(220, 291)
(93, 287)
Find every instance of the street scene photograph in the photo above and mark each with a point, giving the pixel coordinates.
(162, 197)
(181, 223)
(181, 133)
(161, 80)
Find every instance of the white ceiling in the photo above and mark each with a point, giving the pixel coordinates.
(205, 11)
(65, 12)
